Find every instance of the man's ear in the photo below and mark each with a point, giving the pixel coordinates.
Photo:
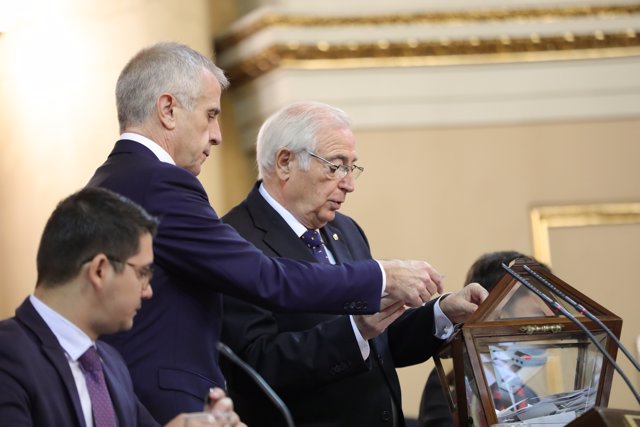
(165, 109)
(98, 269)
(284, 158)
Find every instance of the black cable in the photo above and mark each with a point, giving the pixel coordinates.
(555, 305)
(583, 310)
(262, 383)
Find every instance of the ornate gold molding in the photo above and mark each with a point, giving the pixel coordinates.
(452, 17)
(324, 55)
(547, 217)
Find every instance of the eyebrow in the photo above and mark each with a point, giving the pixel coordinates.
(341, 157)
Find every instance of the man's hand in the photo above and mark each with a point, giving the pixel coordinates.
(218, 413)
(372, 325)
(462, 304)
(412, 282)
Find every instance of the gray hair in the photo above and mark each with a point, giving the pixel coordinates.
(164, 67)
(296, 127)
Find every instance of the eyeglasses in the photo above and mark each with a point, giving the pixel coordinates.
(339, 171)
(144, 273)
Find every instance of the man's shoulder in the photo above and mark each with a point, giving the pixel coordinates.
(14, 338)
(345, 223)
(239, 212)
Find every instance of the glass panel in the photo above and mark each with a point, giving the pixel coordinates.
(476, 414)
(554, 377)
(520, 302)
(446, 364)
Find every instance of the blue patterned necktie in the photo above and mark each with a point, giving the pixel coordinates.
(314, 242)
(101, 405)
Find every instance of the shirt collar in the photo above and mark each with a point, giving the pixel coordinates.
(71, 338)
(295, 225)
(160, 152)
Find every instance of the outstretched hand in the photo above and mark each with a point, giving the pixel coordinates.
(459, 306)
(412, 282)
(372, 325)
(218, 413)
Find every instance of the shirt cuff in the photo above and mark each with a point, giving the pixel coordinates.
(443, 326)
(363, 344)
(384, 278)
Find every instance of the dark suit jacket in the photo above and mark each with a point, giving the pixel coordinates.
(434, 409)
(36, 383)
(312, 360)
(171, 350)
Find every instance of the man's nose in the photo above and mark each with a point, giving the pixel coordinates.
(348, 183)
(215, 135)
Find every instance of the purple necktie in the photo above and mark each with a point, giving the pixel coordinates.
(103, 414)
(314, 242)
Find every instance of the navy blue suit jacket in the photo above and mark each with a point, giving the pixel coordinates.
(36, 384)
(171, 350)
(313, 360)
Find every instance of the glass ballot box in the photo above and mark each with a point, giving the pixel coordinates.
(518, 362)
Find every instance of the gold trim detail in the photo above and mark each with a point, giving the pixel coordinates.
(474, 50)
(541, 329)
(454, 17)
(547, 217)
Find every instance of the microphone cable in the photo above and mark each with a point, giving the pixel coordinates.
(261, 382)
(561, 309)
(583, 310)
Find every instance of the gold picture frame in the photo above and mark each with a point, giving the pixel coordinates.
(544, 218)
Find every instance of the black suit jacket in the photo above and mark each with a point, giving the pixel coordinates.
(171, 349)
(434, 409)
(312, 360)
(36, 384)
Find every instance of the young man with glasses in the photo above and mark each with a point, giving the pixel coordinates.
(330, 370)
(94, 268)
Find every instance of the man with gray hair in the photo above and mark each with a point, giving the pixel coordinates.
(329, 370)
(168, 99)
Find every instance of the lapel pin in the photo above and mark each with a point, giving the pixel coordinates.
(335, 236)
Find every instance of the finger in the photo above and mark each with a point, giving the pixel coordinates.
(436, 278)
(428, 290)
(387, 301)
(390, 309)
(223, 405)
(388, 320)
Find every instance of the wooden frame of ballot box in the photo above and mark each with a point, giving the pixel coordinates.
(516, 360)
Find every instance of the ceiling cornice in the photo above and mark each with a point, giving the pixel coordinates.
(234, 36)
(435, 52)
(266, 40)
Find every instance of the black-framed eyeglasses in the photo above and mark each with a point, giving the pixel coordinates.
(339, 171)
(144, 273)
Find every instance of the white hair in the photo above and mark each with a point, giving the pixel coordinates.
(296, 127)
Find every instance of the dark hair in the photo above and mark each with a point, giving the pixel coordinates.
(89, 222)
(487, 269)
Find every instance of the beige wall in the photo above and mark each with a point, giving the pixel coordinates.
(58, 68)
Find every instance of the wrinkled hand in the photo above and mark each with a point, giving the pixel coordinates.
(412, 282)
(462, 304)
(218, 413)
(372, 325)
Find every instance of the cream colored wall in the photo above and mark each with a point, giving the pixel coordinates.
(58, 68)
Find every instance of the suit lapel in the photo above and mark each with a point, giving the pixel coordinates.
(51, 348)
(334, 240)
(278, 236)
